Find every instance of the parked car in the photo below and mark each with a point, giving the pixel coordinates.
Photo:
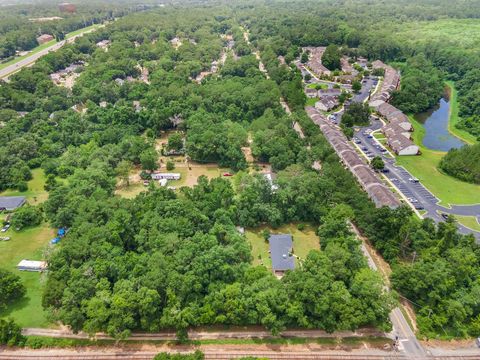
(227, 174)
(5, 228)
(414, 180)
(444, 215)
(4, 238)
(419, 207)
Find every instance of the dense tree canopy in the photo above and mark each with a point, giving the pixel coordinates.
(463, 163)
(11, 288)
(175, 259)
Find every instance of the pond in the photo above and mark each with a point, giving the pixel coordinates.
(435, 122)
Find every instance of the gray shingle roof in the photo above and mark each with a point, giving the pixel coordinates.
(11, 202)
(280, 249)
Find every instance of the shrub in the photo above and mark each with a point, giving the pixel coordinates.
(22, 186)
(170, 165)
(11, 288)
(10, 333)
(197, 355)
(27, 216)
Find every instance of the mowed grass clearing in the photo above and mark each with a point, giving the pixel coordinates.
(36, 193)
(425, 167)
(27, 244)
(303, 242)
(470, 222)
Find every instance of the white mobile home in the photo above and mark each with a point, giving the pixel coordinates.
(168, 176)
(31, 265)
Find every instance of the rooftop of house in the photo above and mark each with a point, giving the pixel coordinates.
(281, 252)
(11, 202)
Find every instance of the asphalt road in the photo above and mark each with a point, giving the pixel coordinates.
(402, 333)
(11, 69)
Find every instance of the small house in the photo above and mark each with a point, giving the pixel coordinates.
(281, 253)
(11, 203)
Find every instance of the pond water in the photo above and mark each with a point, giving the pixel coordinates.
(435, 122)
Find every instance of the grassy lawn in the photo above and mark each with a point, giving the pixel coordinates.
(79, 31)
(131, 191)
(35, 194)
(454, 118)
(317, 86)
(469, 221)
(190, 175)
(303, 242)
(425, 167)
(26, 244)
(311, 101)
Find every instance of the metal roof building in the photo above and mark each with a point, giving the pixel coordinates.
(281, 247)
(11, 202)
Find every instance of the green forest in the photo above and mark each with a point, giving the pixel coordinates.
(174, 258)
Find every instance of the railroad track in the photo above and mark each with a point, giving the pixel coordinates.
(224, 355)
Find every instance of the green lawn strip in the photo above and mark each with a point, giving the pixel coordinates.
(303, 242)
(317, 86)
(36, 192)
(79, 31)
(454, 118)
(37, 342)
(407, 318)
(425, 167)
(470, 222)
(26, 244)
(311, 101)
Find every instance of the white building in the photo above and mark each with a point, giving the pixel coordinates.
(31, 265)
(167, 176)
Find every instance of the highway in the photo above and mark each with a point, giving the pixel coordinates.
(11, 69)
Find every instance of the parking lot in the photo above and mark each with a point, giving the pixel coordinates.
(419, 197)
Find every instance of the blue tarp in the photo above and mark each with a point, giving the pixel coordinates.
(55, 241)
